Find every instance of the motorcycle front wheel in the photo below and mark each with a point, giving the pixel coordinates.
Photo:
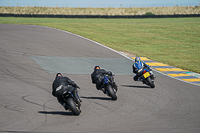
(74, 107)
(111, 92)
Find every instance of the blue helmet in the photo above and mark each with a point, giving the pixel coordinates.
(137, 59)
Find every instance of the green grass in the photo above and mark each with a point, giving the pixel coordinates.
(174, 41)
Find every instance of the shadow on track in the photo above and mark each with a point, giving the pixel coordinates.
(56, 113)
(135, 86)
(101, 98)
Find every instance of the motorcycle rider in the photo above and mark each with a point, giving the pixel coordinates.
(135, 69)
(62, 84)
(97, 76)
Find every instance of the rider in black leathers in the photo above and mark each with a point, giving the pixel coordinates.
(135, 70)
(97, 76)
(61, 84)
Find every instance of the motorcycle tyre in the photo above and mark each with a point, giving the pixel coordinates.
(71, 103)
(111, 93)
(151, 84)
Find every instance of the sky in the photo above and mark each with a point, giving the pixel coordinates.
(99, 3)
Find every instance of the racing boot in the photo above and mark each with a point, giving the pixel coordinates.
(115, 86)
(152, 76)
(104, 90)
(65, 106)
(61, 101)
(98, 87)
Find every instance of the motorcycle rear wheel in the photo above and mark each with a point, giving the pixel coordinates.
(151, 84)
(73, 107)
(111, 92)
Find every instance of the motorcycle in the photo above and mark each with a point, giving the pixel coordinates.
(109, 87)
(147, 77)
(72, 103)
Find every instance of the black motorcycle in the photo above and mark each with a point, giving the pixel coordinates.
(109, 86)
(72, 103)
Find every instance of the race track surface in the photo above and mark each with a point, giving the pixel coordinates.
(30, 57)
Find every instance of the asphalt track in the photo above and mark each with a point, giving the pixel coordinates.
(30, 56)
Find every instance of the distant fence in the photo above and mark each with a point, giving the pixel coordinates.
(99, 16)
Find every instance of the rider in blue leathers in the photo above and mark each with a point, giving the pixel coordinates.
(139, 64)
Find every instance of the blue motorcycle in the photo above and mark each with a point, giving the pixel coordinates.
(146, 76)
(109, 86)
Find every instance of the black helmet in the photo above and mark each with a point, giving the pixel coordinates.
(137, 59)
(97, 67)
(60, 75)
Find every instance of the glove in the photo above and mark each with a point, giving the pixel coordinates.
(109, 73)
(78, 87)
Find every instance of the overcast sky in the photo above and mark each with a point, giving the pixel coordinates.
(99, 3)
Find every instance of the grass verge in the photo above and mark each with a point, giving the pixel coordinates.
(174, 41)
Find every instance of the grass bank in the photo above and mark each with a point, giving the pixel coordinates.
(102, 11)
(174, 41)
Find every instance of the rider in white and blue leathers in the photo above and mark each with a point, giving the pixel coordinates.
(138, 66)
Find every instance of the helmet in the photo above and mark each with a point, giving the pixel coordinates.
(60, 75)
(137, 59)
(97, 67)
